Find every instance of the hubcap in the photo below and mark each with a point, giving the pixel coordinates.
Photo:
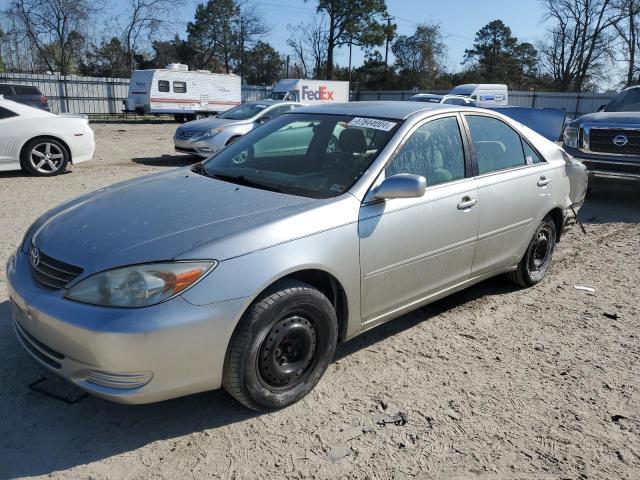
(540, 250)
(46, 157)
(287, 351)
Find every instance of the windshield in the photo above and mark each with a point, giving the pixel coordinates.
(311, 155)
(278, 95)
(242, 112)
(627, 101)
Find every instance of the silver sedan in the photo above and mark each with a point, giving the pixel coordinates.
(244, 271)
(209, 135)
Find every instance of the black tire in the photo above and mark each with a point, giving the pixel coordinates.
(537, 259)
(45, 157)
(290, 319)
(178, 118)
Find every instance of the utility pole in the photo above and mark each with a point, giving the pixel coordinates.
(287, 74)
(386, 47)
(350, 45)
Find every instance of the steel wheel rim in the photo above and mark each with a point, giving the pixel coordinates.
(46, 157)
(287, 352)
(540, 250)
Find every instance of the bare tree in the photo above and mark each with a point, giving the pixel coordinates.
(55, 28)
(579, 41)
(309, 44)
(250, 29)
(140, 20)
(629, 37)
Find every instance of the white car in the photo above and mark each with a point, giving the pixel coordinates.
(41, 142)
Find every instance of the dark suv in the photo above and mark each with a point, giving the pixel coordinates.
(26, 94)
(608, 141)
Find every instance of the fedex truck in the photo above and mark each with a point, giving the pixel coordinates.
(484, 94)
(311, 91)
(187, 95)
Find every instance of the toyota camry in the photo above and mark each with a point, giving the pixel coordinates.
(246, 270)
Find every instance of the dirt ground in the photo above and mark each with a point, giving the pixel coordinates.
(495, 382)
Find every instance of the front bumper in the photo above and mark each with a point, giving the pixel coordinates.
(624, 167)
(201, 147)
(137, 355)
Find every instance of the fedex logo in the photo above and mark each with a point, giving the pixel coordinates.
(323, 93)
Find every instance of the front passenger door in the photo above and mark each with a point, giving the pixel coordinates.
(413, 248)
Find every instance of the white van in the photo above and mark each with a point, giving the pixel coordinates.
(311, 92)
(484, 94)
(187, 95)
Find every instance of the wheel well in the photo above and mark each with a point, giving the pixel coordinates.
(331, 288)
(44, 137)
(232, 139)
(558, 218)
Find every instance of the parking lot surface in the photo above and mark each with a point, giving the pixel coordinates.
(494, 382)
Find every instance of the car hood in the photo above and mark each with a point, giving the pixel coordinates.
(156, 218)
(619, 118)
(209, 123)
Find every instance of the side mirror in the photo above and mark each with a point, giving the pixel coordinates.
(264, 119)
(601, 107)
(403, 185)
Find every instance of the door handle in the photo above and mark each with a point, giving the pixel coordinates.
(467, 202)
(544, 181)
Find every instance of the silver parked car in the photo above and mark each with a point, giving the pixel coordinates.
(207, 136)
(244, 272)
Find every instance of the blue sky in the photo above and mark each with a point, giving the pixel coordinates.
(458, 20)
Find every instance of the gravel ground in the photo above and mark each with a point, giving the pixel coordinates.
(494, 382)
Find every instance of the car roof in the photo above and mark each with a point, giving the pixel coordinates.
(383, 109)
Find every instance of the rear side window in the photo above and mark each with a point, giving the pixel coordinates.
(434, 151)
(496, 144)
(6, 113)
(530, 154)
(6, 90)
(179, 87)
(26, 90)
(163, 85)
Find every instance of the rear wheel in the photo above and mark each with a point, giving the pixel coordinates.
(537, 259)
(281, 347)
(45, 157)
(178, 118)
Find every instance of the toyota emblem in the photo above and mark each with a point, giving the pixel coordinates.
(620, 140)
(34, 256)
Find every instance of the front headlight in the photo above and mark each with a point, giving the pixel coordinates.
(570, 137)
(212, 132)
(139, 285)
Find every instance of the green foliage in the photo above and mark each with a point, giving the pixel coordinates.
(213, 34)
(420, 57)
(264, 66)
(109, 59)
(360, 22)
(499, 57)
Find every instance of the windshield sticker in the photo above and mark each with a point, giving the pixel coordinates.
(372, 123)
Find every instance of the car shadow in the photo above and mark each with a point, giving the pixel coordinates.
(168, 160)
(610, 201)
(43, 435)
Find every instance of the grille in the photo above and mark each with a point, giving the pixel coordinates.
(50, 272)
(185, 133)
(601, 140)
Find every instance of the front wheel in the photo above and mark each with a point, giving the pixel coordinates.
(537, 259)
(45, 157)
(281, 347)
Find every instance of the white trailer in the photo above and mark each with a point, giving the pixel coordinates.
(484, 94)
(311, 92)
(187, 95)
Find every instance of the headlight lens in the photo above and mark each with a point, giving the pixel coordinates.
(213, 131)
(570, 137)
(139, 285)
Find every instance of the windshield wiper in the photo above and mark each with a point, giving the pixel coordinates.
(242, 180)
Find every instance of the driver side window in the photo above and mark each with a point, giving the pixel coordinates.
(434, 150)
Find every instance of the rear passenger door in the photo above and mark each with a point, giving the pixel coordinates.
(412, 248)
(513, 192)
